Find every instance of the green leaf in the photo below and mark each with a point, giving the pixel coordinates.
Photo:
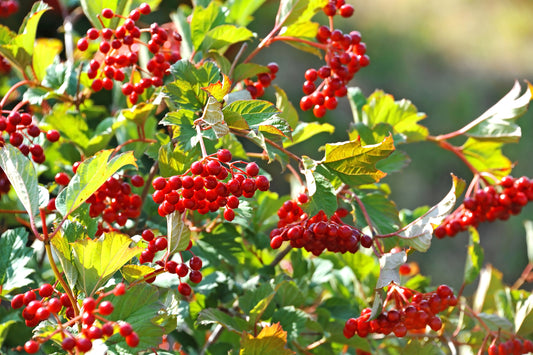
(139, 307)
(28, 29)
(22, 176)
(220, 244)
(4, 330)
(223, 36)
(418, 233)
(97, 260)
(213, 315)
(288, 112)
(14, 257)
(394, 162)
(178, 233)
(474, 258)
(65, 253)
(487, 156)
(357, 100)
(389, 265)
(292, 320)
(248, 70)
(72, 125)
(495, 322)
(523, 321)
(381, 210)
(241, 11)
(203, 20)
(356, 164)
(305, 131)
(91, 174)
(321, 192)
(93, 9)
(260, 115)
(497, 123)
(402, 116)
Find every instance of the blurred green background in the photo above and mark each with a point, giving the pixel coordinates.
(453, 59)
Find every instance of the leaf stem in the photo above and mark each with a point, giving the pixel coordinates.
(12, 90)
(280, 256)
(60, 278)
(201, 139)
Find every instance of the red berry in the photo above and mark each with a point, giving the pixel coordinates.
(195, 276)
(83, 44)
(106, 308)
(52, 135)
(107, 13)
(31, 346)
(252, 169)
(137, 180)
(184, 289)
(319, 111)
(46, 290)
(132, 340)
(120, 289)
(125, 329)
(68, 344)
(54, 305)
(62, 179)
(224, 155)
(330, 9)
(144, 8)
(159, 183)
(83, 344)
(346, 10)
(17, 301)
(161, 243)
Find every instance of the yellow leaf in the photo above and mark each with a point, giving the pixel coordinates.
(272, 340)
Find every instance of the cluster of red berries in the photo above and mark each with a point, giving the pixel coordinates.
(5, 67)
(115, 201)
(120, 49)
(493, 202)
(208, 185)
(413, 311)
(94, 326)
(20, 126)
(257, 88)
(340, 7)
(511, 346)
(160, 243)
(345, 55)
(317, 233)
(8, 7)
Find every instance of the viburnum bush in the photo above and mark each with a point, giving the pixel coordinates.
(145, 170)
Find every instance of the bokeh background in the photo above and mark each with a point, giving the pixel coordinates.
(453, 59)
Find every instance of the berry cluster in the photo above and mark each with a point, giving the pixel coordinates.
(257, 88)
(115, 202)
(511, 346)
(21, 126)
(160, 243)
(318, 233)
(208, 185)
(52, 303)
(120, 49)
(8, 7)
(413, 311)
(5, 67)
(493, 202)
(345, 55)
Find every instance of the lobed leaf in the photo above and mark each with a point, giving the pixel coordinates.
(204, 19)
(321, 191)
(487, 156)
(91, 174)
(305, 131)
(214, 118)
(418, 233)
(497, 124)
(225, 35)
(97, 260)
(272, 340)
(356, 164)
(389, 265)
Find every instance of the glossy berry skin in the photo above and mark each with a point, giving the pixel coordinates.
(132, 340)
(105, 308)
(184, 289)
(31, 346)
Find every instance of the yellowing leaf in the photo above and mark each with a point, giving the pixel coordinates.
(356, 164)
(135, 272)
(219, 89)
(487, 156)
(214, 118)
(419, 232)
(97, 260)
(45, 50)
(272, 340)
